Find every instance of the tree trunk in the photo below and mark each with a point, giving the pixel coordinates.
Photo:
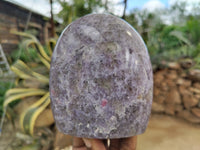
(106, 5)
(125, 6)
(52, 20)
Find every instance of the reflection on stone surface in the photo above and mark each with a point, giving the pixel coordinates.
(101, 79)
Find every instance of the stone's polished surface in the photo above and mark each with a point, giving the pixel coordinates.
(101, 79)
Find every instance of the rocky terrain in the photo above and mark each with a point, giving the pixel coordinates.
(177, 92)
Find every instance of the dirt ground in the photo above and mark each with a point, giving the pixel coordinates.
(7, 136)
(168, 133)
(163, 133)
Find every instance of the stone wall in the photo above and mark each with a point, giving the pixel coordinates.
(177, 92)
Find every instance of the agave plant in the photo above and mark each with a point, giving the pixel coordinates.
(26, 73)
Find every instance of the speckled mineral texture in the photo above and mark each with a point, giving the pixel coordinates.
(101, 79)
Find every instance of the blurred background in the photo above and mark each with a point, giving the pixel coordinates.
(28, 33)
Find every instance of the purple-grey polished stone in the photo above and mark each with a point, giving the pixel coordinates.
(101, 79)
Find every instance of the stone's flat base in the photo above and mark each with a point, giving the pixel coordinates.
(169, 133)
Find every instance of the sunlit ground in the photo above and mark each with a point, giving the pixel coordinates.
(168, 133)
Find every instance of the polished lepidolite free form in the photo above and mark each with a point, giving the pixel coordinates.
(101, 79)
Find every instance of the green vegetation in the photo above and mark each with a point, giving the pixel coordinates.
(4, 86)
(34, 71)
(177, 39)
(26, 55)
(77, 8)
